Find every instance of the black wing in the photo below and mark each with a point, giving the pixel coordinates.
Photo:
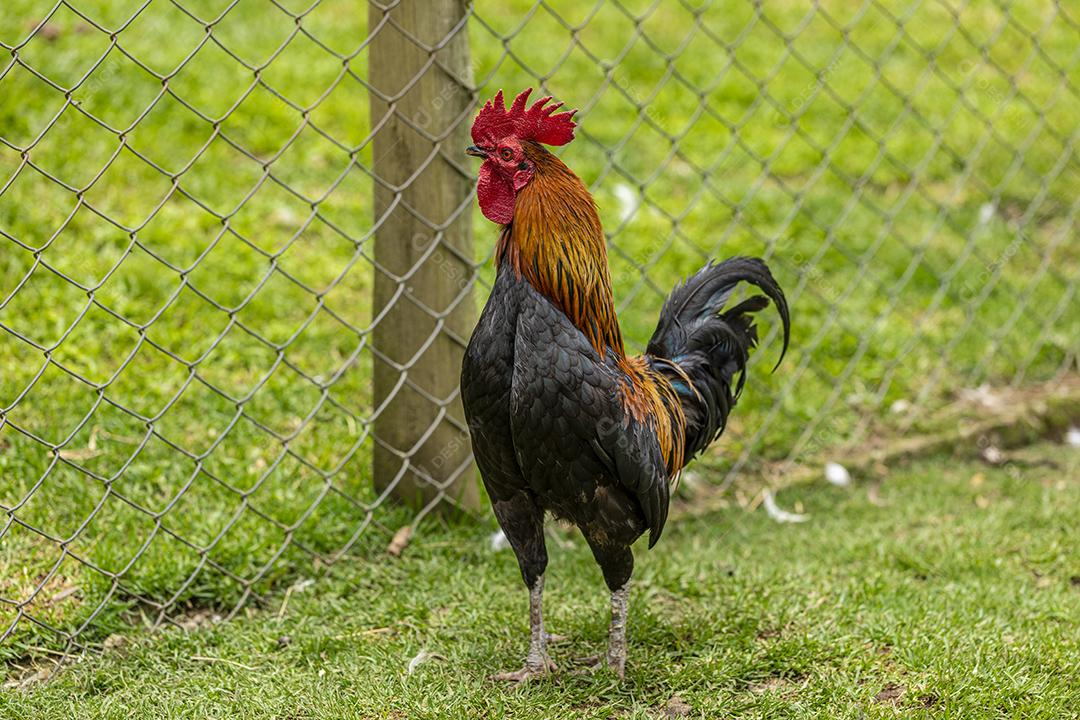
(576, 444)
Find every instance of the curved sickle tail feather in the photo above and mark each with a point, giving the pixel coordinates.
(702, 350)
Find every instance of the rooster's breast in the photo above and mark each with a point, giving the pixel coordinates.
(564, 399)
(486, 379)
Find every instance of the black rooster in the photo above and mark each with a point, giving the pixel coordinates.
(562, 419)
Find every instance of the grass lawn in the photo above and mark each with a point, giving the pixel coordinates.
(952, 590)
(178, 409)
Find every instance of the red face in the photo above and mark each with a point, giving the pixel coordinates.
(498, 135)
(503, 174)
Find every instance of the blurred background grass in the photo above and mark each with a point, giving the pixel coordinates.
(908, 168)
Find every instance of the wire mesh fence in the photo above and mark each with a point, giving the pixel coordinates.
(240, 261)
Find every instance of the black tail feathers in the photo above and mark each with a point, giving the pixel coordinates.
(701, 349)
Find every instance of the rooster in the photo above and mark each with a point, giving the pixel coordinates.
(562, 419)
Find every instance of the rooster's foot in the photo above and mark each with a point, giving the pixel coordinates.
(528, 672)
(617, 662)
(587, 665)
(594, 663)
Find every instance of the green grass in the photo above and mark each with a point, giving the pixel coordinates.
(920, 216)
(951, 591)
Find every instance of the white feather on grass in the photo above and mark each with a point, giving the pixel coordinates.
(837, 474)
(779, 515)
(422, 657)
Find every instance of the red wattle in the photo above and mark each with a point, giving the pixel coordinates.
(495, 193)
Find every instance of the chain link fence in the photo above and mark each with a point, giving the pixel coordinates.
(239, 255)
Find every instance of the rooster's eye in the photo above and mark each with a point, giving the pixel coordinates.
(507, 154)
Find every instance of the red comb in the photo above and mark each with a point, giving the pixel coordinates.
(538, 123)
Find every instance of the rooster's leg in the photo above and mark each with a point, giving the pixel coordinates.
(617, 564)
(617, 648)
(537, 662)
(616, 655)
(523, 522)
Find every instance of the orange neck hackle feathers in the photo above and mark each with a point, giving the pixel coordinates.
(556, 243)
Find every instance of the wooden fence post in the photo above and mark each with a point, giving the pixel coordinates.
(420, 74)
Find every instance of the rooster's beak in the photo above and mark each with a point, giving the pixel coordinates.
(475, 152)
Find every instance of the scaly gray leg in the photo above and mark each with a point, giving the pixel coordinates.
(537, 662)
(616, 656)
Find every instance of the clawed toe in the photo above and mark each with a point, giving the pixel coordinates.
(587, 665)
(526, 673)
(594, 663)
(516, 676)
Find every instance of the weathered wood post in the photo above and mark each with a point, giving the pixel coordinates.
(421, 102)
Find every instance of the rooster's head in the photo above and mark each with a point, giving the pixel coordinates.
(499, 136)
